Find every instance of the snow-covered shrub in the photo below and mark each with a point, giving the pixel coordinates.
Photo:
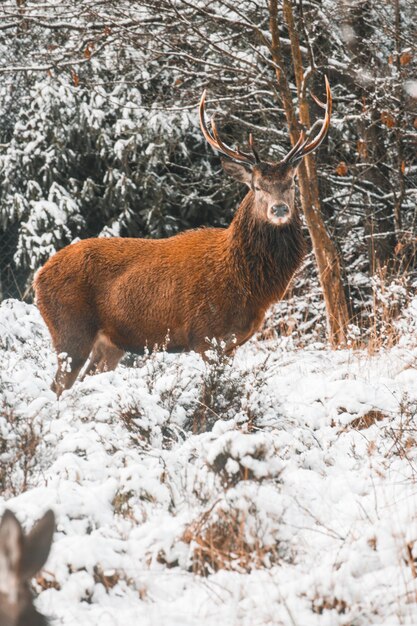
(390, 298)
(234, 531)
(221, 389)
(175, 386)
(238, 532)
(21, 452)
(49, 221)
(142, 429)
(287, 495)
(299, 319)
(236, 456)
(401, 432)
(21, 326)
(406, 323)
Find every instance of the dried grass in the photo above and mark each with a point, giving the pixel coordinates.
(220, 542)
(20, 438)
(320, 605)
(367, 420)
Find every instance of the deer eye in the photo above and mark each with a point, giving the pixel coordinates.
(257, 188)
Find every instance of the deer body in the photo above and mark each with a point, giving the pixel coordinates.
(200, 284)
(101, 297)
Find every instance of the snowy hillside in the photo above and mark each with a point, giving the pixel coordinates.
(277, 489)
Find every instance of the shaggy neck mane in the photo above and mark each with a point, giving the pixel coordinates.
(264, 256)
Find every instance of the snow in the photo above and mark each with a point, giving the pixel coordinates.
(323, 505)
(411, 88)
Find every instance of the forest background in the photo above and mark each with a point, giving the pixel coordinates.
(99, 136)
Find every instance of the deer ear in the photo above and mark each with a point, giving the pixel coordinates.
(11, 545)
(237, 171)
(37, 545)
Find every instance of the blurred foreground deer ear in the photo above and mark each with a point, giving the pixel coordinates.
(37, 545)
(237, 171)
(11, 544)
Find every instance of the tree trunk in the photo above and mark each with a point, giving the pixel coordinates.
(324, 250)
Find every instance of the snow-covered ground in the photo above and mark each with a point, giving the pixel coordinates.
(279, 489)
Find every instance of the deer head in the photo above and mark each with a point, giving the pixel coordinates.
(21, 557)
(272, 184)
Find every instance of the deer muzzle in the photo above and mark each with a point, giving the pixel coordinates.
(280, 210)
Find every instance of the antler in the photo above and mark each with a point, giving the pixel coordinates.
(219, 145)
(298, 151)
(303, 146)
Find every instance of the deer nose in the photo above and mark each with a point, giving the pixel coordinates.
(280, 210)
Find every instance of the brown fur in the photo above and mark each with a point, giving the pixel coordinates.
(106, 296)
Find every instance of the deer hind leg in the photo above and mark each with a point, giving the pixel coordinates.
(104, 357)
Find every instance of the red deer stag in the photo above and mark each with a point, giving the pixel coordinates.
(100, 297)
(20, 559)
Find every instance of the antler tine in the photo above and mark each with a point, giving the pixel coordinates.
(215, 140)
(326, 122)
(305, 148)
(237, 154)
(318, 101)
(296, 147)
(203, 124)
